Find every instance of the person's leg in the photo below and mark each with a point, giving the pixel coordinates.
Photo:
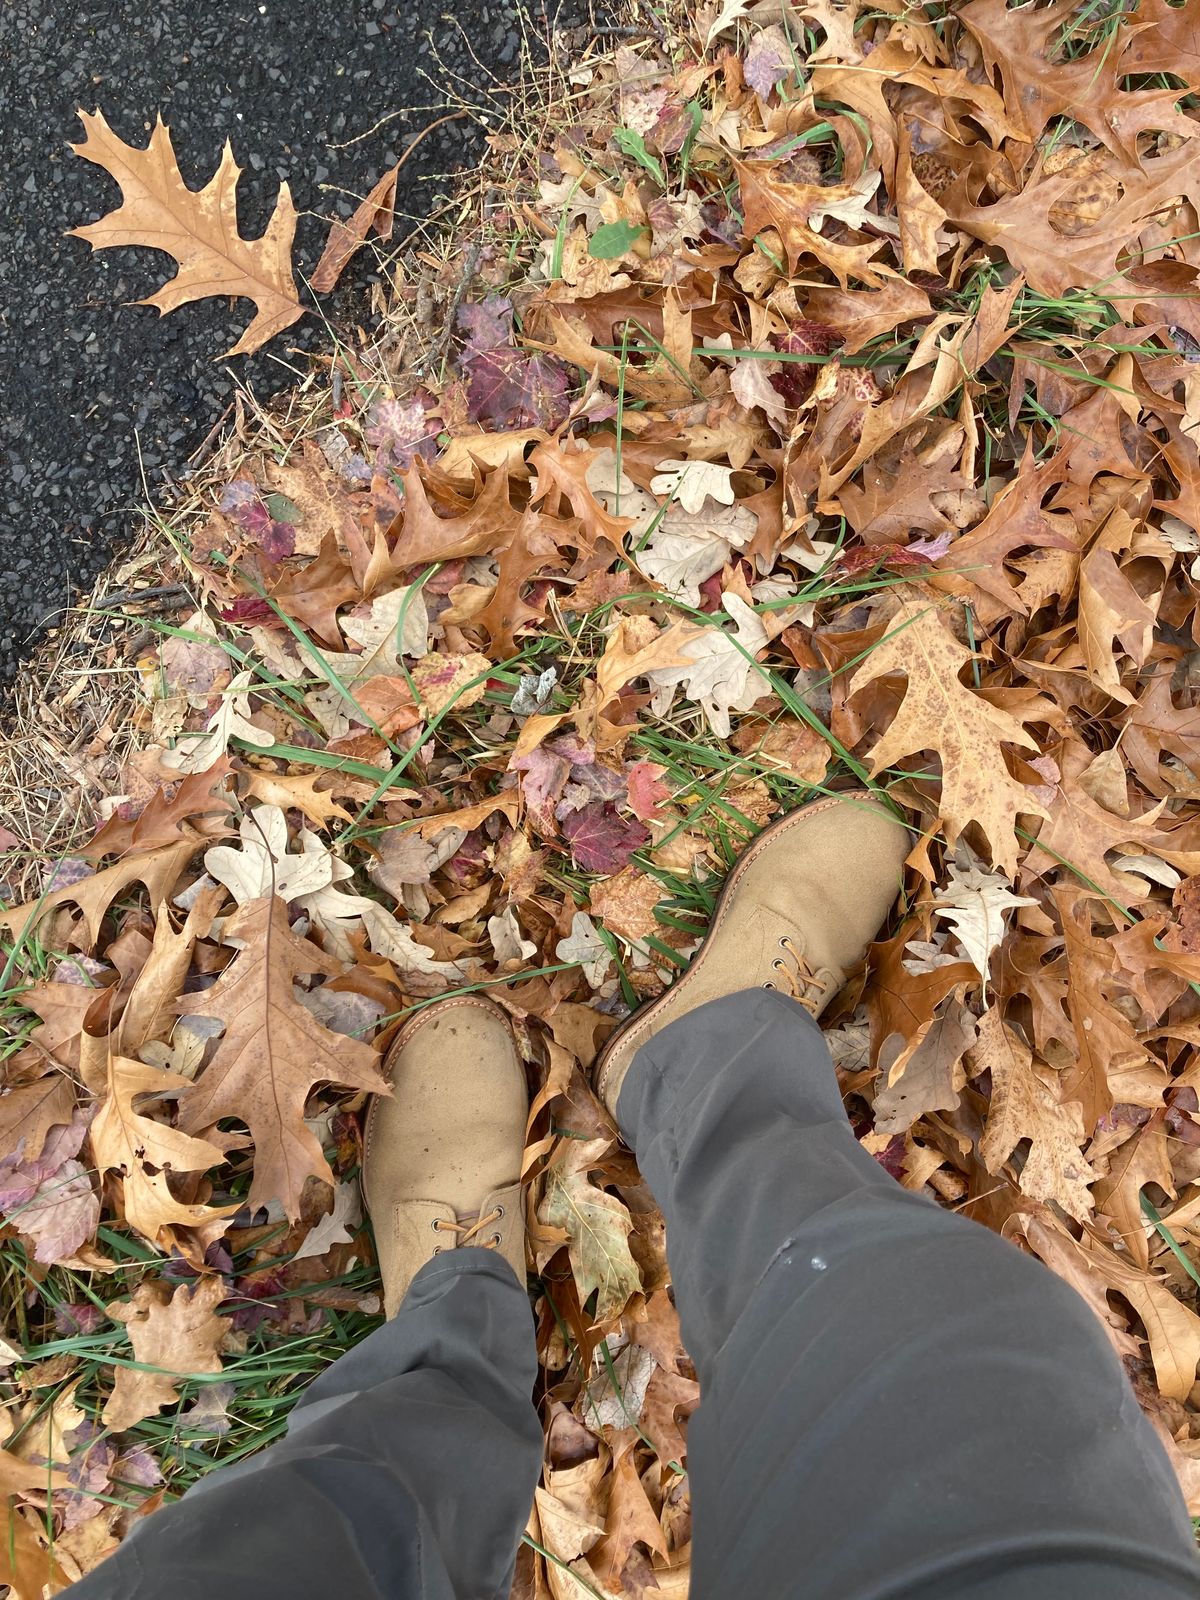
(407, 1472)
(410, 1464)
(895, 1402)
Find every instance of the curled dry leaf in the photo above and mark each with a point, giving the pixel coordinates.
(596, 1224)
(173, 1336)
(145, 1153)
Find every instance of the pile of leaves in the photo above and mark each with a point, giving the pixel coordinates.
(824, 410)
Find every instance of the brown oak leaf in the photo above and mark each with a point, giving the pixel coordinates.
(940, 713)
(198, 227)
(173, 1336)
(272, 1054)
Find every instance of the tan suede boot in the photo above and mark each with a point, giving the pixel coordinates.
(442, 1153)
(796, 914)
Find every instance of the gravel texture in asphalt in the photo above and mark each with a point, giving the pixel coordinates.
(95, 393)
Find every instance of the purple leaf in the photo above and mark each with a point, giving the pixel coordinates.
(89, 1472)
(601, 839)
(767, 60)
(238, 497)
(543, 775)
(400, 430)
(798, 378)
(63, 874)
(241, 501)
(248, 608)
(78, 1316)
(138, 1468)
(488, 324)
(51, 1200)
(505, 386)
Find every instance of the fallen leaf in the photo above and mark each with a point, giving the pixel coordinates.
(597, 1226)
(584, 946)
(158, 870)
(443, 681)
(939, 713)
(272, 1053)
(373, 214)
(1023, 1106)
(601, 839)
(198, 227)
(694, 482)
(974, 904)
(262, 864)
(50, 1200)
(719, 670)
(173, 1336)
(143, 1151)
(198, 752)
(298, 790)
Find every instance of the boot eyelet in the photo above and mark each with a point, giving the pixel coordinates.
(496, 1239)
(499, 1212)
(777, 966)
(437, 1249)
(770, 986)
(436, 1225)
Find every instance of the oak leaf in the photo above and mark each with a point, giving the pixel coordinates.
(1111, 611)
(1078, 834)
(166, 817)
(974, 903)
(631, 1518)
(719, 670)
(272, 1054)
(1172, 1329)
(1024, 1106)
(1142, 1159)
(1104, 1038)
(928, 1074)
(197, 752)
(375, 213)
(262, 864)
(198, 227)
(29, 1111)
(173, 1337)
(941, 714)
(298, 789)
(795, 211)
(597, 1226)
(310, 595)
(156, 869)
(143, 1151)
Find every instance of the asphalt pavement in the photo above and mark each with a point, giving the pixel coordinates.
(95, 394)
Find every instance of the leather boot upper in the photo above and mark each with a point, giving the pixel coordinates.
(442, 1153)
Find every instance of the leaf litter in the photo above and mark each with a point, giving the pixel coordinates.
(797, 425)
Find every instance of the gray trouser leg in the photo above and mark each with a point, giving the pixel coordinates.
(407, 1472)
(896, 1402)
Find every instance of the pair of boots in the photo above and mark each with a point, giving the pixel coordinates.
(442, 1154)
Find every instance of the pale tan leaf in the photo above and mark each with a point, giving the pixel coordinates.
(178, 1335)
(198, 227)
(941, 714)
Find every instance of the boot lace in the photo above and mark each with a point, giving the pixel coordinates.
(468, 1231)
(796, 977)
